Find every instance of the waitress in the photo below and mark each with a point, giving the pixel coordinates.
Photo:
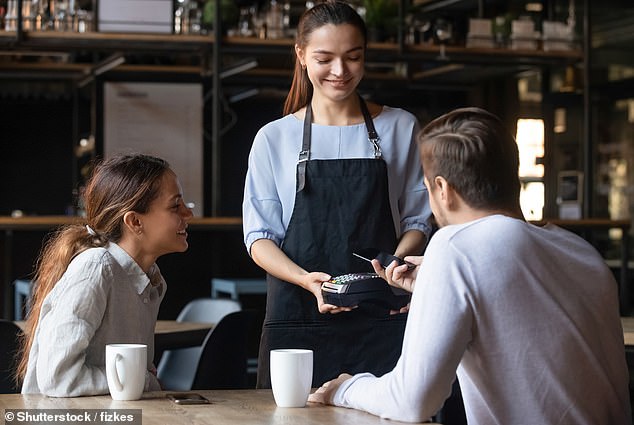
(332, 176)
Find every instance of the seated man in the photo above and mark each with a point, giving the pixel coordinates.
(526, 316)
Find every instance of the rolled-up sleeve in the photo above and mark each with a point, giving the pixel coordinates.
(413, 200)
(261, 207)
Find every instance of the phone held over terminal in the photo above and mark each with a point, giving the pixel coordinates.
(188, 398)
(368, 254)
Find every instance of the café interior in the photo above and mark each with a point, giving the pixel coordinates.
(84, 79)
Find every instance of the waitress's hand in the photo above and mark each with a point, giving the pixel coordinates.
(312, 282)
(399, 276)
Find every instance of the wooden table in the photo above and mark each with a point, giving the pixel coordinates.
(228, 407)
(170, 334)
(628, 330)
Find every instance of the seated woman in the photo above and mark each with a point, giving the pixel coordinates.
(98, 284)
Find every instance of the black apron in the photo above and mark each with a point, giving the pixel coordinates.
(341, 205)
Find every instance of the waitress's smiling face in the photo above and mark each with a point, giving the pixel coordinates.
(334, 59)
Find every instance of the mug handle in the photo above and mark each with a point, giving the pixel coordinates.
(113, 375)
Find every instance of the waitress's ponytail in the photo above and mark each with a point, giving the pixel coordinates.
(301, 90)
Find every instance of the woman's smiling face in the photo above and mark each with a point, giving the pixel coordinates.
(334, 59)
(165, 223)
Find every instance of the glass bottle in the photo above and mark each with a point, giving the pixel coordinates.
(60, 18)
(286, 18)
(195, 15)
(10, 19)
(245, 27)
(29, 10)
(274, 20)
(42, 17)
(181, 17)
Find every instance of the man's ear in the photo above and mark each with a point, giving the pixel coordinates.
(442, 185)
(132, 221)
(447, 193)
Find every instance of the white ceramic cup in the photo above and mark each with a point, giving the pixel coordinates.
(126, 365)
(291, 376)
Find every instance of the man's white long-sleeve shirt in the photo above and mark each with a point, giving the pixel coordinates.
(528, 317)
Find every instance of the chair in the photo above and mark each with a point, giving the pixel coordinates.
(236, 287)
(177, 368)
(223, 361)
(9, 344)
(21, 300)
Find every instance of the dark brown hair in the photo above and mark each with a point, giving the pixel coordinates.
(329, 12)
(118, 185)
(476, 154)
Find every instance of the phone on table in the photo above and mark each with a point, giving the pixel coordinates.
(368, 254)
(188, 398)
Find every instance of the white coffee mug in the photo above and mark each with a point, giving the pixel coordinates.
(126, 365)
(291, 376)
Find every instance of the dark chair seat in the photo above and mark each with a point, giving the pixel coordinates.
(177, 367)
(9, 345)
(223, 360)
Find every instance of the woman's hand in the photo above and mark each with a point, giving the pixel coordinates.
(399, 276)
(312, 282)
(271, 258)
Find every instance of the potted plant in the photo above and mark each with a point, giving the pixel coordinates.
(228, 14)
(380, 18)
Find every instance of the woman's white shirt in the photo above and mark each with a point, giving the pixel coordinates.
(103, 297)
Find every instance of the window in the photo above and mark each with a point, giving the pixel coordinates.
(530, 142)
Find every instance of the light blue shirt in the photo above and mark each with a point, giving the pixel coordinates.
(269, 193)
(103, 298)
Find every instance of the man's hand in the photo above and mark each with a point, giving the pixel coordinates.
(399, 276)
(326, 392)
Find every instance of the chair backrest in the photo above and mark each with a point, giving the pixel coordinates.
(207, 310)
(9, 344)
(223, 360)
(177, 368)
(21, 298)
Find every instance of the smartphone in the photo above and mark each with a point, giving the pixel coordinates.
(188, 398)
(368, 254)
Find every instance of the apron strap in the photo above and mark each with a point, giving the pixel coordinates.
(304, 154)
(373, 137)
